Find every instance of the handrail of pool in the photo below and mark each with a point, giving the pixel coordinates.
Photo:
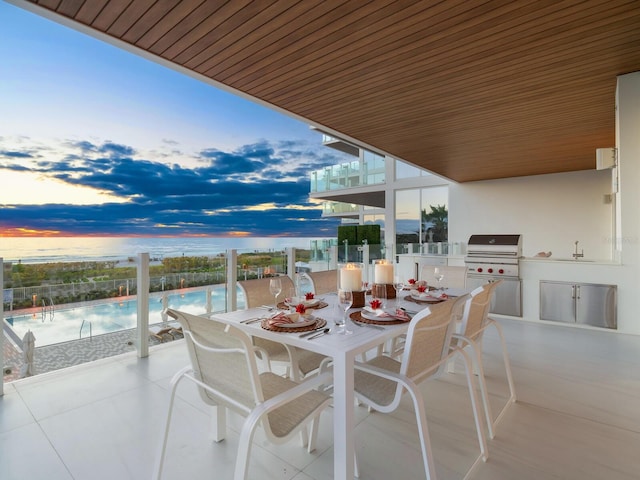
(90, 330)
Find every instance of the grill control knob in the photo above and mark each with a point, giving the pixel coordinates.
(490, 270)
(501, 271)
(479, 269)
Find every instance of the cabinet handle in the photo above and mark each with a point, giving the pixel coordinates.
(578, 292)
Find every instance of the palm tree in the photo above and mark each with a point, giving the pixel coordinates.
(438, 221)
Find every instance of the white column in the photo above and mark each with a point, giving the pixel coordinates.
(232, 280)
(291, 264)
(2, 327)
(142, 332)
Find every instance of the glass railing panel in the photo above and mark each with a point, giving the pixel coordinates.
(90, 307)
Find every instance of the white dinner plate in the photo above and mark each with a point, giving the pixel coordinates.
(372, 316)
(306, 303)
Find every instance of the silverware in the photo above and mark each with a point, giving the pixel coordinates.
(310, 332)
(358, 324)
(323, 332)
(250, 320)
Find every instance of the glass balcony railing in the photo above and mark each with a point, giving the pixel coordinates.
(369, 170)
(332, 208)
(91, 307)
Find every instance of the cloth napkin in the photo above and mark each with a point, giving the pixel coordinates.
(283, 318)
(433, 294)
(378, 312)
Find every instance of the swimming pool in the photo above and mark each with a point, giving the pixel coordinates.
(82, 321)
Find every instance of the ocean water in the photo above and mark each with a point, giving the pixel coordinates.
(70, 249)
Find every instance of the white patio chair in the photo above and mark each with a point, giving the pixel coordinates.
(381, 382)
(324, 282)
(224, 368)
(454, 277)
(475, 320)
(298, 362)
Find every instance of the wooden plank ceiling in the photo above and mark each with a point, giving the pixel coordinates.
(468, 89)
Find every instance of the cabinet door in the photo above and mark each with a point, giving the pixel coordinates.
(596, 305)
(557, 302)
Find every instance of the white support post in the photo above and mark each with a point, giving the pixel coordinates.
(2, 327)
(142, 332)
(366, 260)
(291, 264)
(232, 280)
(333, 257)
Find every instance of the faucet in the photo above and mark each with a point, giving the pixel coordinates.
(577, 255)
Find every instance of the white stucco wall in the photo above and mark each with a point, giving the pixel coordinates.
(550, 211)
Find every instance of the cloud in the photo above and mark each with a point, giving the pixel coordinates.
(9, 154)
(252, 188)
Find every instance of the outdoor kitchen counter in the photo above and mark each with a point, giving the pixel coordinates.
(534, 270)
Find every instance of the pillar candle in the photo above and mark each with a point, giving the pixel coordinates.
(351, 278)
(383, 273)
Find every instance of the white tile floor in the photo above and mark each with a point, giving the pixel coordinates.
(577, 417)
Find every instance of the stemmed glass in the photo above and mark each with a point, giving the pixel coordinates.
(275, 288)
(398, 285)
(345, 300)
(438, 275)
(379, 292)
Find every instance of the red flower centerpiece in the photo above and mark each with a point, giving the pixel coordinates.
(411, 281)
(300, 308)
(308, 296)
(375, 304)
(422, 288)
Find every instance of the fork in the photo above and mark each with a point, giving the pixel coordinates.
(363, 325)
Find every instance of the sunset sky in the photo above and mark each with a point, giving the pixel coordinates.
(97, 141)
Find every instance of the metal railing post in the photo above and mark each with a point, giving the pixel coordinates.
(232, 279)
(291, 264)
(142, 331)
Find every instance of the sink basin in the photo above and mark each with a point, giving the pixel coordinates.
(570, 260)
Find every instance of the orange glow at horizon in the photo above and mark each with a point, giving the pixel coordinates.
(28, 232)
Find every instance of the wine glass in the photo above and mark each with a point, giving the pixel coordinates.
(398, 284)
(275, 288)
(379, 292)
(438, 275)
(345, 300)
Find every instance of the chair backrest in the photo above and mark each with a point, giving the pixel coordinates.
(428, 341)
(222, 358)
(256, 292)
(324, 282)
(476, 309)
(454, 277)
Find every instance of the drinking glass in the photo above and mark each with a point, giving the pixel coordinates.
(345, 300)
(379, 292)
(398, 284)
(438, 275)
(275, 288)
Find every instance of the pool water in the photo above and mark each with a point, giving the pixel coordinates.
(82, 321)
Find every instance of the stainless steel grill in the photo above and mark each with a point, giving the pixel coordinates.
(494, 257)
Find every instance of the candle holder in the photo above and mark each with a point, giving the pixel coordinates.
(391, 291)
(350, 278)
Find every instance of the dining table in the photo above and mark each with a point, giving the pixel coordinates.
(344, 349)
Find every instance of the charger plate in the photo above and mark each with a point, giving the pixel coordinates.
(357, 317)
(319, 323)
